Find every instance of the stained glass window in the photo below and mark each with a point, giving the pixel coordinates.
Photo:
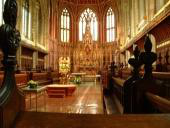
(65, 26)
(88, 13)
(110, 26)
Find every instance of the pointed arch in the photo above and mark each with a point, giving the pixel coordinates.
(65, 26)
(110, 26)
(93, 24)
(26, 20)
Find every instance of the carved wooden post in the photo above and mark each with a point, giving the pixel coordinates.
(128, 88)
(147, 84)
(167, 60)
(112, 68)
(159, 64)
(10, 103)
(148, 58)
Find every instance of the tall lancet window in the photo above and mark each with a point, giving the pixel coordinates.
(65, 26)
(88, 16)
(2, 3)
(110, 26)
(26, 20)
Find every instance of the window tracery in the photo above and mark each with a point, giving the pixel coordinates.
(88, 16)
(26, 20)
(65, 26)
(110, 26)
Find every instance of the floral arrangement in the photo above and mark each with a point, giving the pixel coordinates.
(77, 80)
(32, 84)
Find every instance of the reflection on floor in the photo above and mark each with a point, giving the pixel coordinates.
(87, 99)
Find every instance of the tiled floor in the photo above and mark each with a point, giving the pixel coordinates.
(87, 99)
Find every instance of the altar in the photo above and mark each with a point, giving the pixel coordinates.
(87, 56)
(60, 90)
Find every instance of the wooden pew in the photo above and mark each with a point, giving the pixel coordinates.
(41, 78)
(159, 103)
(104, 79)
(162, 78)
(118, 88)
(118, 93)
(55, 76)
(21, 79)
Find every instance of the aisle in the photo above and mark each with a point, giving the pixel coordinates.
(87, 99)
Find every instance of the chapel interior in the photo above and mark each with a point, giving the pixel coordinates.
(85, 63)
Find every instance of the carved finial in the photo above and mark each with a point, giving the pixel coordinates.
(9, 36)
(134, 62)
(136, 52)
(10, 99)
(148, 44)
(10, 12)
(148, 58)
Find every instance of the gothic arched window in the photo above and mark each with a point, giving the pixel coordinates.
(110, 26)
(88, 13)
(26, 20)
(39, 24)
(2, 3)
(65, 26)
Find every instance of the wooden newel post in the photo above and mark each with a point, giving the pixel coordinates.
(128, 87)
(146, 84)
(10, 100)
(148, 58)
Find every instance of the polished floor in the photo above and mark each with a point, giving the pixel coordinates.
(87, 99)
